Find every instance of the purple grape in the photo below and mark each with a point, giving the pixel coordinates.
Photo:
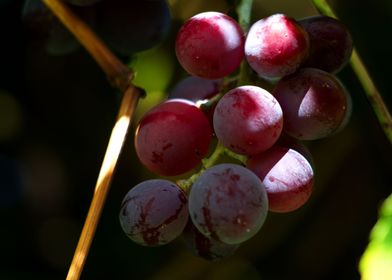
(45, 29)
(295, 144)
(287, 176)
(210, 45)
(229, 203)
(276, 46)
(206, 247)
(195, 89)
(314, 103)
(132, 26)
(331, 44)
(173, 137)
(248, 120)
(154, 212)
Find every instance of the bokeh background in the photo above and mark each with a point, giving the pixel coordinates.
(56, 115)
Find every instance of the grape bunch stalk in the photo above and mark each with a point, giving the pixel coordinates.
(252, 95)
(226, 202)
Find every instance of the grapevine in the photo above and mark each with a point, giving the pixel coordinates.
(231, 143)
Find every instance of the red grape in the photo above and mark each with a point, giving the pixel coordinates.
(331, 44)
(154, 212)
(210, 45)
(248, 120)
(228, 202)
(287, 176)
(276, 46)
(173, 137)
(314, 103)
(295, 144)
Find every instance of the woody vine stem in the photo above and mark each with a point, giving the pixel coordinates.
(120, 76)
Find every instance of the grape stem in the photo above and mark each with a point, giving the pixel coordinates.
(372, 93)
(220, 150)
(120, 76)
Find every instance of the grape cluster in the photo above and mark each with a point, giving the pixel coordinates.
(228, 202)
(119, 23)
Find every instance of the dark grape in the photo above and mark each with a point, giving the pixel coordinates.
(210, 45)
(348, 113)
(133, 26)
(248, 120)
(206, 247)
(314, 103)
(45, 29)
(287, 177)
(276, 46)
(331, 44)
(154, 212)
(195, 89)
(229, 203)
(173, 137)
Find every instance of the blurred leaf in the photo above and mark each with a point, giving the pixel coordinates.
(153, 72)
(153, 69)
(376, 262)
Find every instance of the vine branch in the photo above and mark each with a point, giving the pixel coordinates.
(372, 93)
(120, 77)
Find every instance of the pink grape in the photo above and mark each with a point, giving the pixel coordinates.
(173, 137)
(206, 247)
(295, 144)
(154, 212)
(331, 44)
(276, 46)
(248, 120)
(210, 45)
(287, 176)
(228, 202)
(314, 103)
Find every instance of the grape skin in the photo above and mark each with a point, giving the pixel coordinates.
(248, 120)
(228, 202)
(331, 44)
(287, 176)
(173, 137)
(195, 89)
(198, 90)
(44, 28)
(206, 247)
(129, 26)
(154, 212)
(210, 45)
(314, 103)
(295, 144)
(276, 46)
